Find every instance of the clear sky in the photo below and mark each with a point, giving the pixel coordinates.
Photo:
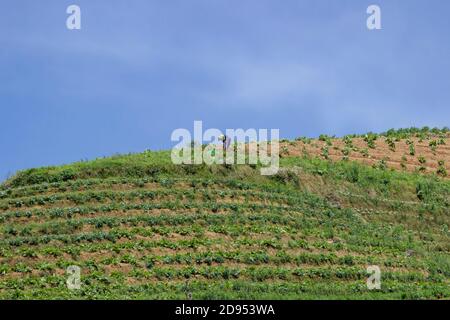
(138, 69)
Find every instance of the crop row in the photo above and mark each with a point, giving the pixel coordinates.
(232, 223)
(225, 223)
(180, 194)
(375, 242)
(237, 226)
(97, 287)
(117, 259)
(79, 185)
(264, 273)
(244, 244)
(210, 206)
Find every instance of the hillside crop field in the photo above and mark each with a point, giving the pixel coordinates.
(140, 227)
(408, 150)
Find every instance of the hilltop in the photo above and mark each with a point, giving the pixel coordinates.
(140, 227)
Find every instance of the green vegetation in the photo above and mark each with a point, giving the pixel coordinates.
(140, 227)
(370, 139)
(441, 168)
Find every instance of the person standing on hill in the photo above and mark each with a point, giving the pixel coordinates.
(226, 141)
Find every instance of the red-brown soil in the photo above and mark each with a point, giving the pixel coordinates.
(399, 159)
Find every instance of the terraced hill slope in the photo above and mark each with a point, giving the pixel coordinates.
(410, 150)
(140, 227)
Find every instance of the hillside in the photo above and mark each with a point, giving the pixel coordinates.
(140, 227)
(412, 150)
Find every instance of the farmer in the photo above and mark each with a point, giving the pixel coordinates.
(225, 141)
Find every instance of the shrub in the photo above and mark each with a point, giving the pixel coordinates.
(365, 152)
(441, 168)
(348, 141)
(425, 190)
(412, 150)
(422, 160)
(382, 164)
(287, 176)
(403, 162)
(390, 142)
(325, 152)
(433, 145)
(370, 139)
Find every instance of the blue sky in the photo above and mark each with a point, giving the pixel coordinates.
(139, 69)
